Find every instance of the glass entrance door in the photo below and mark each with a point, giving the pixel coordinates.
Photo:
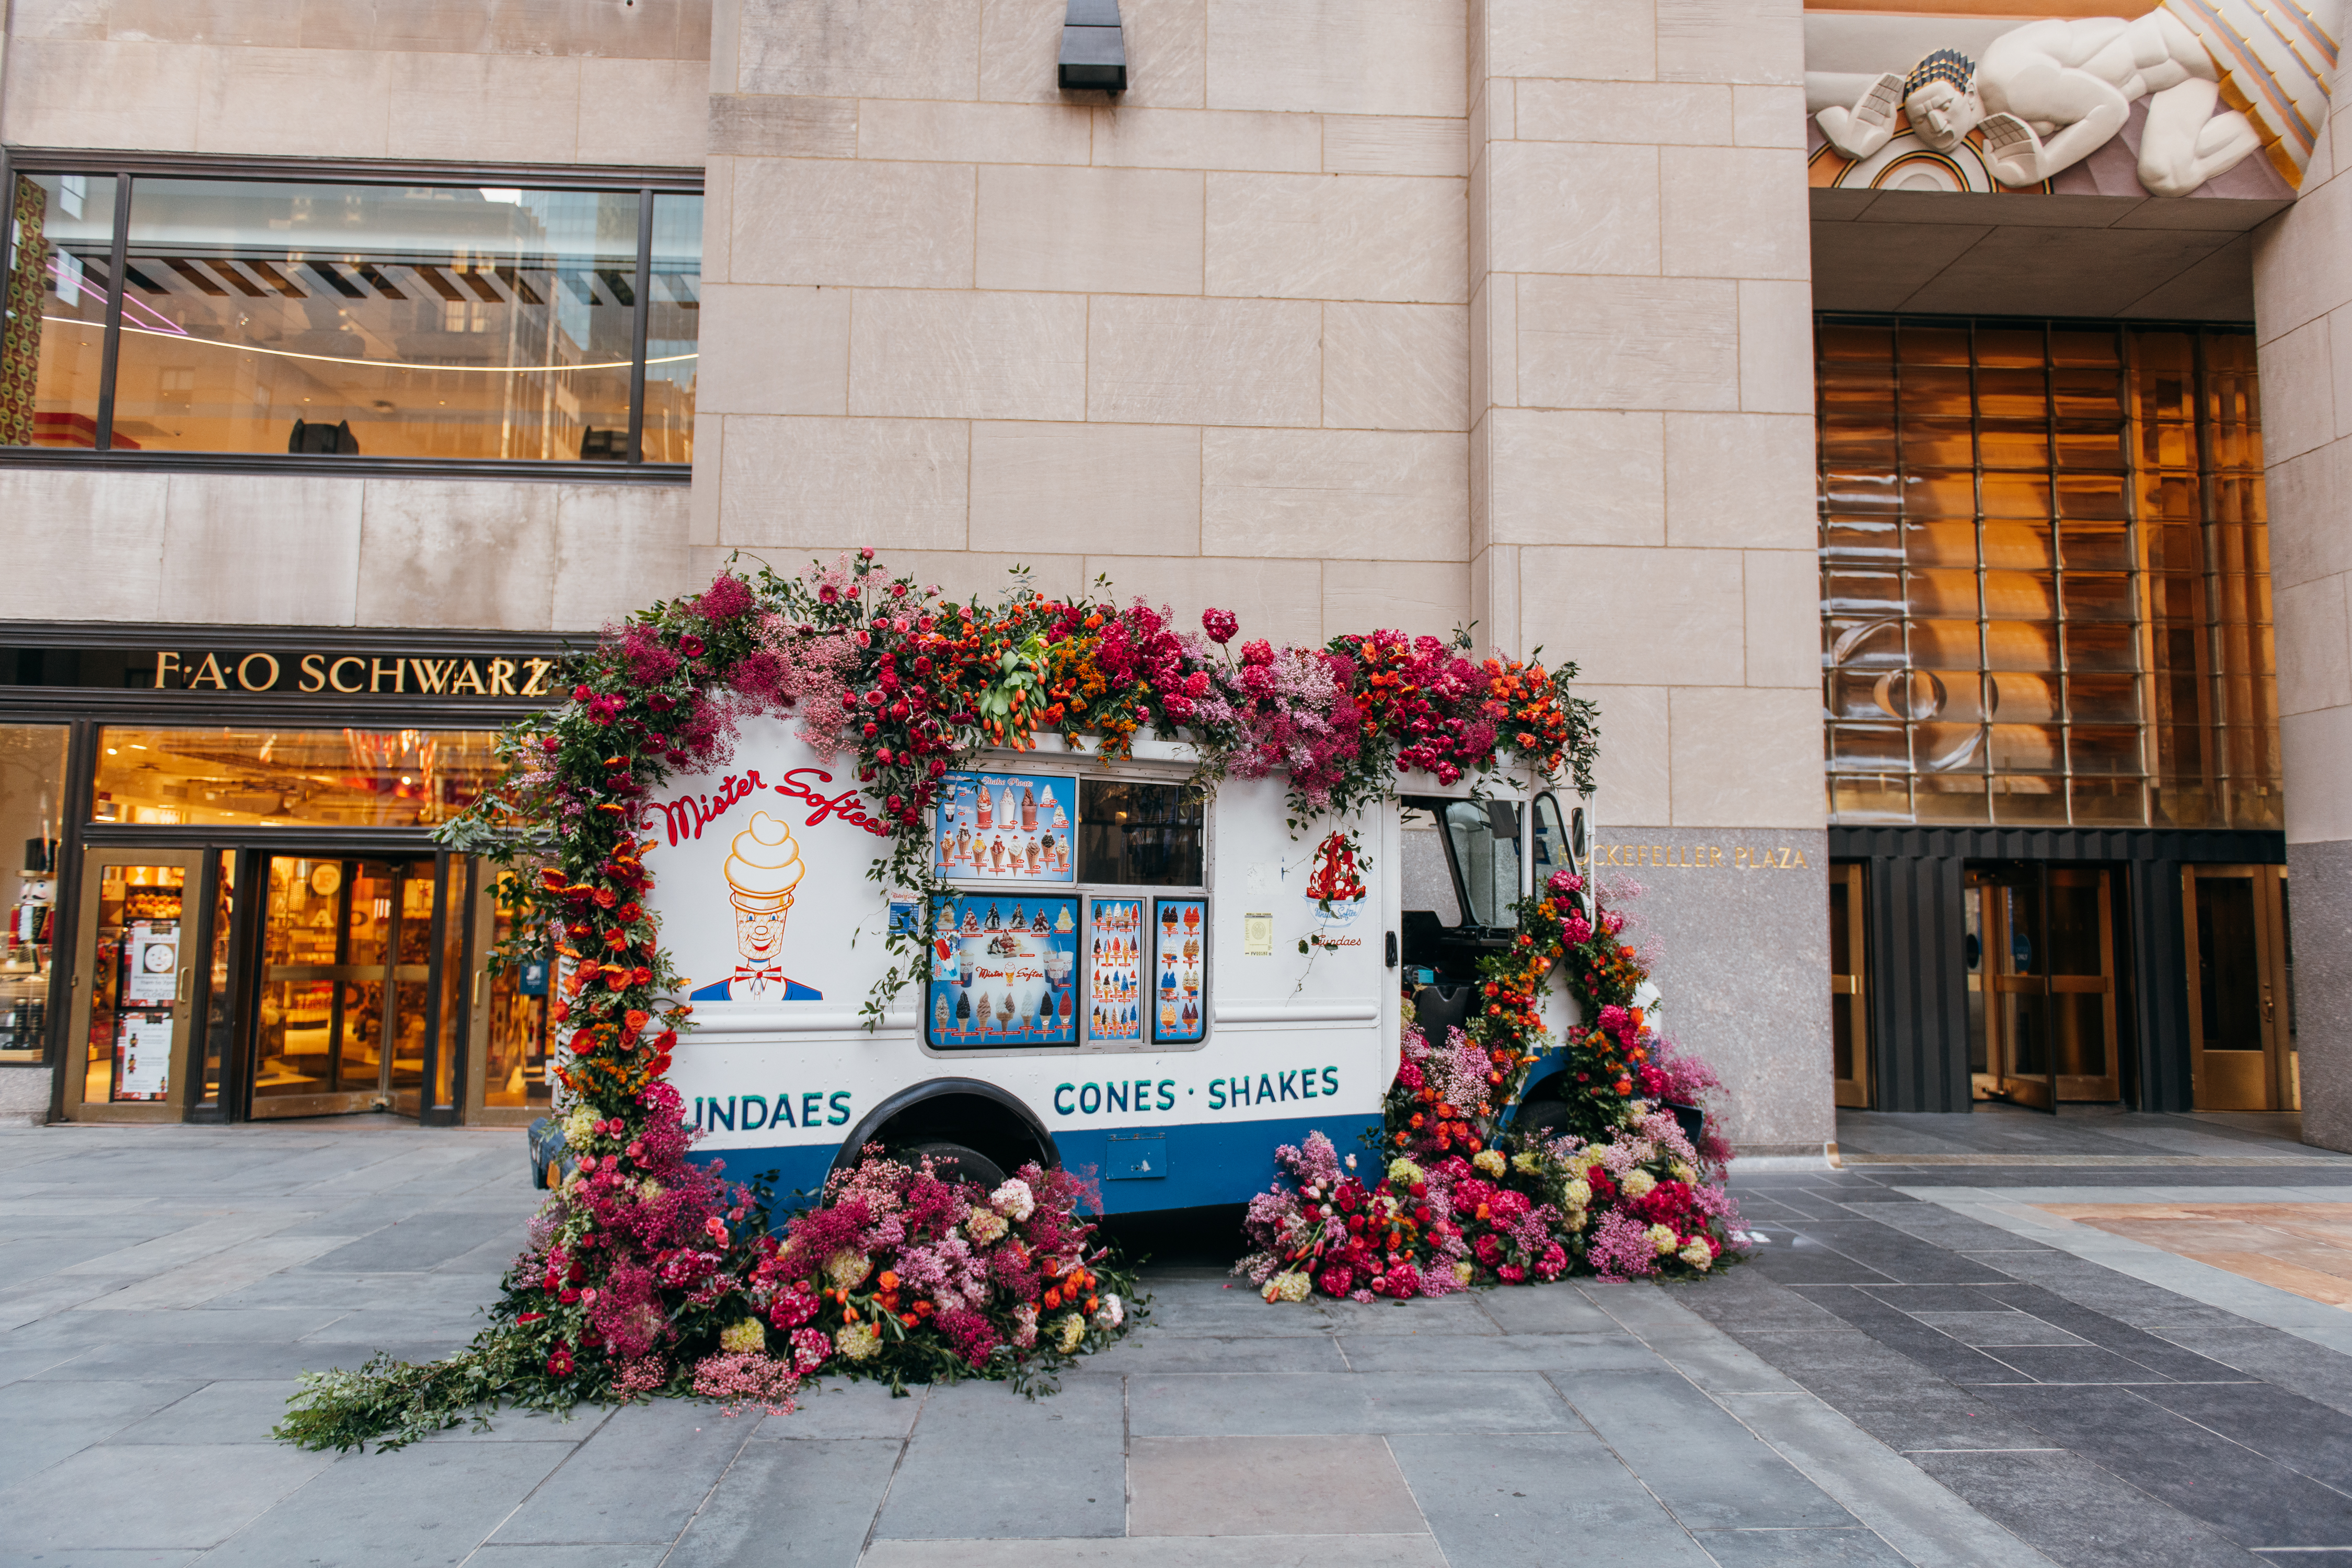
(2081, 984)
(2040, 952)
(343, 1015)
(133, 977)
(2009, 990)
(2240, 989)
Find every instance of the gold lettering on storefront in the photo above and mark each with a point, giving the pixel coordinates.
(1702, 856)
(357, 674)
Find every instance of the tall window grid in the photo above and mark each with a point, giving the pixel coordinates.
(2045, 589)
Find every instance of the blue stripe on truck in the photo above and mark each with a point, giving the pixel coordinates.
(1205, 1163)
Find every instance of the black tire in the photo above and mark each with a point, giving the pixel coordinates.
(955, 1161)
(1541, 1118)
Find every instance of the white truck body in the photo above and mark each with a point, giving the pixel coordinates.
(1170, 1074)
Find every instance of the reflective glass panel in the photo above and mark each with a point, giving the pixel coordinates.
(32, 798)
(673, 328)
(60, 253)
(2071, 626)
(454, 322)
(380, 778)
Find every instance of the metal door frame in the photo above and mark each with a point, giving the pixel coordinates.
(1853, 1093)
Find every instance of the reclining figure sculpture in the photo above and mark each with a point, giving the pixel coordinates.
(2049, 94)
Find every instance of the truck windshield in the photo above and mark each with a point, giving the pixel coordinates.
(1486, 862)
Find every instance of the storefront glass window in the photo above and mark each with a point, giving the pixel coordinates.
(459, 322)
(249, 777)
(2044, 582)
(61, 255)
(32, 797)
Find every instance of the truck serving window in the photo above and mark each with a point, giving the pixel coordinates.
(1135, 835)
(1059, 934)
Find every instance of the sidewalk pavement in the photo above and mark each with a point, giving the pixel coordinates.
(1923, 1366)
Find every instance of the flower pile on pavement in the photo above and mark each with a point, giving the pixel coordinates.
(647, 1273)
(1457, 1194)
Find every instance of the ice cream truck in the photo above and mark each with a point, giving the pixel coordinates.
(1128, 977)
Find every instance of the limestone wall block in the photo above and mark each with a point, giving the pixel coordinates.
(1353, 237)
(967, 354)
(1133, 231)
(1629, 343)
(874, 225)
(890, 483)
(1204, 362)
(1396, 367)
(1367, 494)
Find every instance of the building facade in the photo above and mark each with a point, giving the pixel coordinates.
(369, 370)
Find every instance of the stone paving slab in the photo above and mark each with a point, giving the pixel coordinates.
(1899, 1378)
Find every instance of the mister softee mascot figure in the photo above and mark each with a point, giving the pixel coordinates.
(763, 868)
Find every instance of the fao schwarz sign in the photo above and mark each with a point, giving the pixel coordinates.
(356, 674)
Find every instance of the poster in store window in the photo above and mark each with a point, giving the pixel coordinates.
(143, 1056)
(150, 966)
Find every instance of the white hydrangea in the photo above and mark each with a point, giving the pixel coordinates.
(1403, 1172)
(1639, 1184)
(1664, 1238)
(1698, 1254)
(1113, 1311)
(1490, 1161)
(1014, 1200)
(1578, 1193)
(579, 1127)
(1682, 1172)
(1291, 1284)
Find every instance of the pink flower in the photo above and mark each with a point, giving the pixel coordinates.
(1221, 625)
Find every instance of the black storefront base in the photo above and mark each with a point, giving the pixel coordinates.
(1916, 980)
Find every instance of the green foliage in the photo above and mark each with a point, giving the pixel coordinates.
(391, 1404)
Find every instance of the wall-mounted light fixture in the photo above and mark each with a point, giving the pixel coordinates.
(1094, 51)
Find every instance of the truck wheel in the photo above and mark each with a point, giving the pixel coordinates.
(955, 1161)
(1541, 1118)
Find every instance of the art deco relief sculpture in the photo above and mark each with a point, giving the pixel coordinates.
(2049, 94)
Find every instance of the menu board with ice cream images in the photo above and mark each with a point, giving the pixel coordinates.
(1005, 827)
(1003, 973)
(1180, 999)
(1117, 1004)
